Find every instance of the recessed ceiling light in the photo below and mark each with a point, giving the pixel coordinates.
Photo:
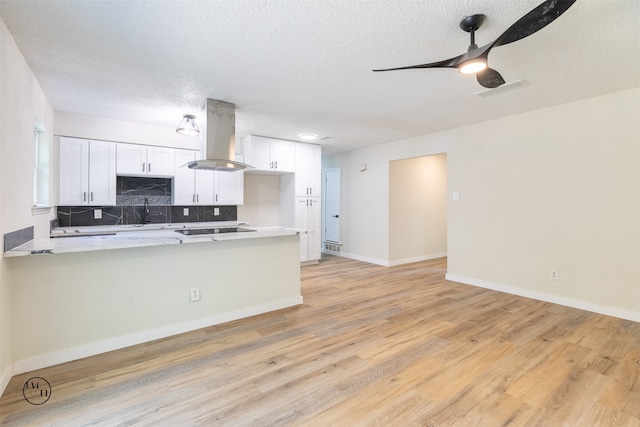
(308, 136)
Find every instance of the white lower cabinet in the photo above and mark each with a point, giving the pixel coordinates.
(307, 217)
(87, 172)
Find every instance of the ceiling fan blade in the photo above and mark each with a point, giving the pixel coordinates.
(447, 63)
(489, 78)
(534, 21)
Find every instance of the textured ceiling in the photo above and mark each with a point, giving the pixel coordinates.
(294, 66)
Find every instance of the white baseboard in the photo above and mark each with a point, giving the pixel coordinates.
(381, 262)
(86, 350)
(387, 263)
(5, 377)
(542, 296)
(417, 259)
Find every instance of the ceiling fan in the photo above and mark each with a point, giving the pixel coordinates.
(474, 60)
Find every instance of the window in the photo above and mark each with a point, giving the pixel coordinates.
(40, 170)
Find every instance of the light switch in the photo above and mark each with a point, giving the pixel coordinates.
(97, 214)
(185, 212)
(216, 211)
(456, 196)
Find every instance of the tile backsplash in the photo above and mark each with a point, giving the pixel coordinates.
(131, 193)
(18, 237)
(72, 216)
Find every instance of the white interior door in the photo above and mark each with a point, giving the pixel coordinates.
(332, 205)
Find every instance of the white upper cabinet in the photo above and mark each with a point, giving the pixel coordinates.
(87, 172)
(142, 160)
(190, 186)
(160, 161)
(269, 155)
(183, 178)
(205, 187)
(308, 170)
(228, 188)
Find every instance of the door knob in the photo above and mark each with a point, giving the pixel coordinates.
(336, 216)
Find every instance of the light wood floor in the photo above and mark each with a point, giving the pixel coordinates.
(372, 346)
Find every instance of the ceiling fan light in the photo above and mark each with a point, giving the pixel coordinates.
(188, 125)
(473, 66)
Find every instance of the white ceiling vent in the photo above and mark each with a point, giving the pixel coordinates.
(505, 87)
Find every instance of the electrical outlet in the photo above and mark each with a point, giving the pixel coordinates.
(195, 294)
(456, 195)
(185, 212)
(97, 214)
(216, 211)
(554, 275)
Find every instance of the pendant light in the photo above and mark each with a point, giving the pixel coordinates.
(188, 125)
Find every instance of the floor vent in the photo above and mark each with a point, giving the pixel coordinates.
(332, 248)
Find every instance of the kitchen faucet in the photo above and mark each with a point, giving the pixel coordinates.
(145, 215)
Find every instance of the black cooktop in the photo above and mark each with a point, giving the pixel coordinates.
(219, 230)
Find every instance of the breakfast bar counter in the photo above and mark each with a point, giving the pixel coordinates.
(84, 239)
(103, 292)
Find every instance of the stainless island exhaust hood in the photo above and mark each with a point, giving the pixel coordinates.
(220, 139)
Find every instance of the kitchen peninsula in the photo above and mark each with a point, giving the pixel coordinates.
(106, 292)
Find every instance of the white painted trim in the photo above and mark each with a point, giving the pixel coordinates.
(417, 259)
(543, 296)
(40, 210)
(5, 377)
(381, 262)
(116, 343)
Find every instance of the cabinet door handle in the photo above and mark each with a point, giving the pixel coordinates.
(84, 196)
(149, 167)
(193, 198)
(91, 196)
(216, 197)
(276, 163)
(310, 191)
(142, 166)
(197, 198)
(311, 203)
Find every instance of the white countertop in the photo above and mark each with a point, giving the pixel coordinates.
(129, 236)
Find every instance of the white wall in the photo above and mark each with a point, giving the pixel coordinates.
(22, 105)
(365, 195)
(417, 209)
(557, 188)
(261, 200)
